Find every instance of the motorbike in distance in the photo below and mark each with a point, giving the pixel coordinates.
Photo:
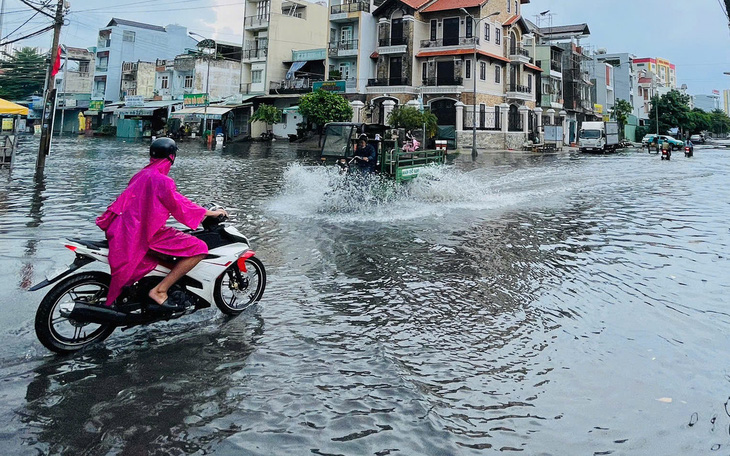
(74, 315)
(689, 150)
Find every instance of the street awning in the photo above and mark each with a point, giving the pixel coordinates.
(213, 112)
(91, 113)
(142, 112)
(295, 66)
(8, 107)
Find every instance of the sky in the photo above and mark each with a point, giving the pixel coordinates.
(693, 35)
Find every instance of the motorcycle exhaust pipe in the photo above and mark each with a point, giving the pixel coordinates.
(84, 313)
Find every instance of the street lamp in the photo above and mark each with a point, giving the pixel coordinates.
(475, 32)
(209, 44)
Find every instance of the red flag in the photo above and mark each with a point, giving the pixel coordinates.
(57, 63)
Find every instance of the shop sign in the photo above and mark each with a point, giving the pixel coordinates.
(96, 105)
(191, 100)
(330, 86)
(134, 101)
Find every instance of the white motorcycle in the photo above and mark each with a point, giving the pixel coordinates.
(73, 314)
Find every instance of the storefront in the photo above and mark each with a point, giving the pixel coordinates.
(230, 120)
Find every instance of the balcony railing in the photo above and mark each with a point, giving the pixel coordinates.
(388, 81)
(254, 54)
(335, 48)
(453, 81)
(456, 41)
(102, 68)
(519, 88)
(350, 8)
(292, 85)
(519, 50)
(393, 41)
(257, 21)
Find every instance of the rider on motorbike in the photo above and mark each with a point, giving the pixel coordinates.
(366, 155)
(134, 225)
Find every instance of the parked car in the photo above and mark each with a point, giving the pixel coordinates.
(675, 143)
(697, 139)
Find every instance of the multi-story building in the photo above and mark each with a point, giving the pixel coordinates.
(351, 43)
(138, 78)
(707, 103)
(726, 101)
(272, 29)
(648, 86)
(128, 41)
(74, 86)
(665, 71)
(426, 56)
(624, 78)
(576, 66)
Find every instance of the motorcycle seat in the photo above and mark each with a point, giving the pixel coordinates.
(92, 244)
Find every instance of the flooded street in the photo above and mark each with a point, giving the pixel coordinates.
(563, 304)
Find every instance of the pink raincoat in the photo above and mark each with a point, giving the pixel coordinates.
(135, 223)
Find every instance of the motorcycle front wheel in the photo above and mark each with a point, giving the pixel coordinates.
(61, 334)
(236, 290)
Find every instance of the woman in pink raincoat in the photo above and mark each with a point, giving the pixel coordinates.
(135, 224)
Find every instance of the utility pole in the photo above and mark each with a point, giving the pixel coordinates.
(65, 76)
(49, 106)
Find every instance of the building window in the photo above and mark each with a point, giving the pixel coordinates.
(84, 66)
(497, 74)
(344, 70)
(483, 71)
(516, 2)
(487, 27)
(467, 70)
(128, 36)
(164, 82)
(256, 76)
(424, 71)
(469, 29)
(188, 82)
(497, 35)
(262, 9)
(434, 26)
(509, 2)
(529, 83)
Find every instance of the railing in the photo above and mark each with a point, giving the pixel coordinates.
(452, 81)
(519, 88)
(256, 21)
(350, 8)
(514, 121)
(292, 85)
(246, 87)
(486, 120)
(102, 68)
(350, 45)
(254, 53)
(387, 81)
(518, 50)
(456, 41)
(393, 41)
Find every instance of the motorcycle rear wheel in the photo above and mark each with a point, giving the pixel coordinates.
(61, 334)
(233, 296)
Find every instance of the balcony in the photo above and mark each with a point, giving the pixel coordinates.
(343, 48)
(254, 54)
(453, 81)
(455, 41)
(381, 82)
(519, 92)
(518, 54)
(103, 43)
(393, 45)
(297, 85)
(350, 8)
(101, 68)
(256, 22)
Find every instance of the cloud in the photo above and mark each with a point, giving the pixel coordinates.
(228, 24)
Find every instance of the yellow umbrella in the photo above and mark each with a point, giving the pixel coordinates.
(7, 107)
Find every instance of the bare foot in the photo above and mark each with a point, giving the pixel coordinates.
(158, 296)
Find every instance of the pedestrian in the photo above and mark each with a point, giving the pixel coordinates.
(134, 225)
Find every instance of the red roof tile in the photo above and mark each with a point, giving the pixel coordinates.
(460, 52)
(512, 20)
(374, 55)
(415, 4)
(443, 5)
(533, 67)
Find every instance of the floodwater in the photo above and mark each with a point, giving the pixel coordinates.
(563, 304)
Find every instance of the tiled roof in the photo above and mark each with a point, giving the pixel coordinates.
(415, 4)
(512, 20)
(443, 5)
(460, 52)
(533, 67)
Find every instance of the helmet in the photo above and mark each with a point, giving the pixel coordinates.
(163, 148)
(363, 137)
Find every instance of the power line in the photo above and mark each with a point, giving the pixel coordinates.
(31, 35)
(21, 25)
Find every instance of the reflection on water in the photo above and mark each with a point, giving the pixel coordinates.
(558, 304)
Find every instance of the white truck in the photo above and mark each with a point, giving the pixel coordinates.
(598, 136)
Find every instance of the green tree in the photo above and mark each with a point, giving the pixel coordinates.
(268, 114)
(622, 110)
(719, 122)
(321, 107)
(699, 121)
(411, 118)
(23, 74)
(673, 110)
